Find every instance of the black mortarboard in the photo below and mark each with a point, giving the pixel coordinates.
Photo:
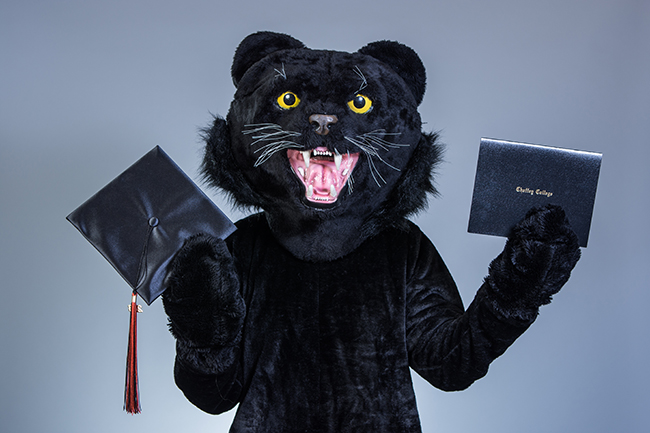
(139, 221)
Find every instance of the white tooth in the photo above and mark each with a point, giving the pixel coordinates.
(332, 191)
(345, 172)
(337, 160)
(301, 172)
(310, 190)
(305, 156)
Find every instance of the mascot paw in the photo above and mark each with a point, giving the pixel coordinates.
(202, 298)
(537, 260)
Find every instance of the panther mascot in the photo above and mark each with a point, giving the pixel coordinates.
(311, 315)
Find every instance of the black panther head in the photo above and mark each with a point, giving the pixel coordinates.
(327, 143)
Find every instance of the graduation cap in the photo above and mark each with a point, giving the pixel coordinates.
(138, 222)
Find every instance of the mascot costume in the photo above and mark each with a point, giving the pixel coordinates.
(311, 315)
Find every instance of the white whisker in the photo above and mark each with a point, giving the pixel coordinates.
(369, 152)
(350, 183)
(364, 82)
(281, 73)
(270, 149)
(377, 138)
(274, 136)
(370, 145)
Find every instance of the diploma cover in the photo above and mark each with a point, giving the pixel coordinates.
(512, 178)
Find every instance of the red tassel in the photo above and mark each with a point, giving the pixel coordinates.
(131, 393)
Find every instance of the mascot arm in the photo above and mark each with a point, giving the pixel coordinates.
(206, 313)
(452, 348)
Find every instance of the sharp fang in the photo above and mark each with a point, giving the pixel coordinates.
(332, 191)
(310, 190)
(337, 160)
(305, 156)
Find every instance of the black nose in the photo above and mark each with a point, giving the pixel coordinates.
(322, 122)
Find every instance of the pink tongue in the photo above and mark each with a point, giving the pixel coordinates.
(321, 176)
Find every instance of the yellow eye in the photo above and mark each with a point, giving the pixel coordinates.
(288, 100)
(360, 104)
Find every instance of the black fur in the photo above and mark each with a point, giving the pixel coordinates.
(311, 315)
(402, 60)
(206, 311)
(256, 47)
(535, 263)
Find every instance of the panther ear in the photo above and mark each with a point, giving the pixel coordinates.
(402, 60)
(257, 46)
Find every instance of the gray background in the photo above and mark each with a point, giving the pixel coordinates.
(88, 87)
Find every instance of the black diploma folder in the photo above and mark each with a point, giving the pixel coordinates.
(512, 178)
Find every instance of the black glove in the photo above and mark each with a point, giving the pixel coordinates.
(202, 299)
(537, 260)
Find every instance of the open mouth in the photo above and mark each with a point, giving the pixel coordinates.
(323, 173)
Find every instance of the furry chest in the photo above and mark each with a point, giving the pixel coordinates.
(328, 339)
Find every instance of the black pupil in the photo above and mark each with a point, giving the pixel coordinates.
(359, 102)
(289, 99)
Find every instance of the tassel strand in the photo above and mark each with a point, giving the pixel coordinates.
(131, 392)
